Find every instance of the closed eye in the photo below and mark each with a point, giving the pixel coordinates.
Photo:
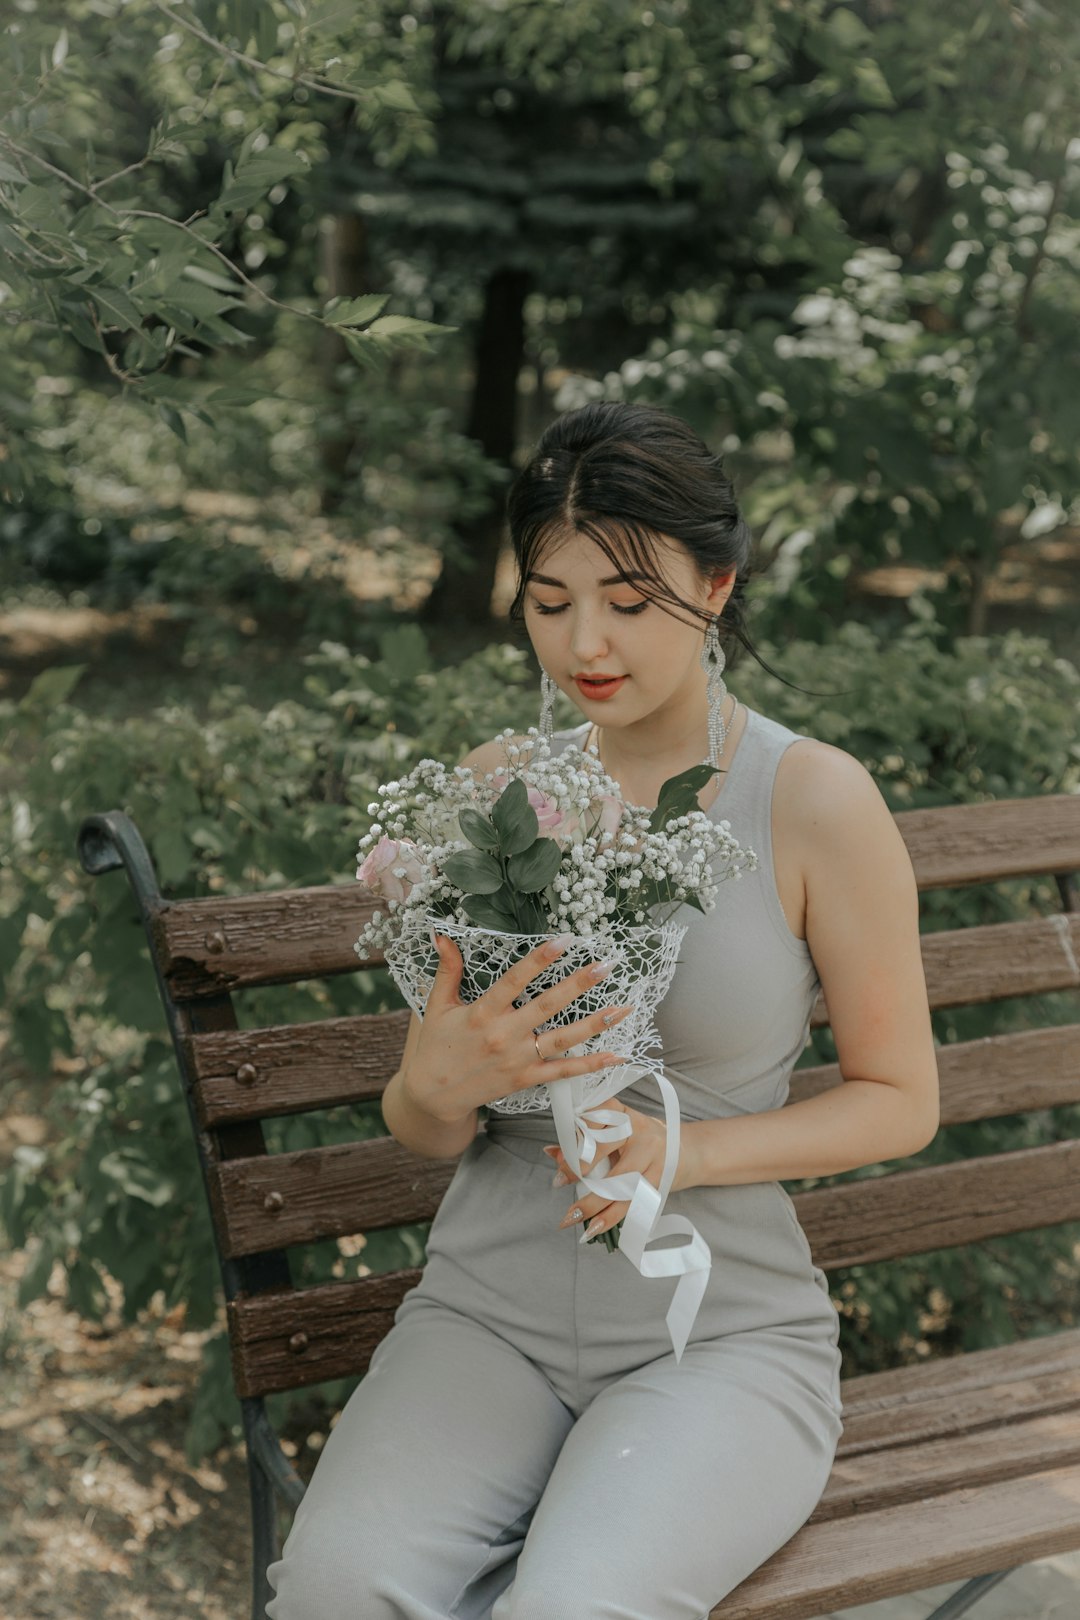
(639, 607)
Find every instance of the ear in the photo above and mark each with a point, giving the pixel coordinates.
(722, 587)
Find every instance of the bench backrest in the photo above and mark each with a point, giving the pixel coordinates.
(264, 1205)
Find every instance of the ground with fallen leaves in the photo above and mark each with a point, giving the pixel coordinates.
(101, 1515)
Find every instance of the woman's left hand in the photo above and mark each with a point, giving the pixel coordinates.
(643, 1150)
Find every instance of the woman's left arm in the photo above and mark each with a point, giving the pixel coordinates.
(862, 926)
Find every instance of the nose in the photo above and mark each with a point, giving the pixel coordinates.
(588, 642)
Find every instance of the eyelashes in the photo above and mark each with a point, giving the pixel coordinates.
(639, 607)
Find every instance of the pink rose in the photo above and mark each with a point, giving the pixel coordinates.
(561, 825)
(391, 868)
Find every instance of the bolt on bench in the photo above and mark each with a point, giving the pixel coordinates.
(959, 1468)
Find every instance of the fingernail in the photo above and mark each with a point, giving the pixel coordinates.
(568, 1220)
(592, 1229)
(561, 1180)
(562, 941)
(600, 970)
(551, 1151)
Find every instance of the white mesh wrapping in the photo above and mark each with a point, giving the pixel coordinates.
(644, 957)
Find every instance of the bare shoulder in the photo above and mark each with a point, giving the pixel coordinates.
(825, 799)
(491, 756)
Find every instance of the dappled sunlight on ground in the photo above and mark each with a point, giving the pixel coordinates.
(101, 1515)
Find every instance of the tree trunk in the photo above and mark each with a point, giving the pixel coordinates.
(979, 597)
(343, 254)
(461, 593)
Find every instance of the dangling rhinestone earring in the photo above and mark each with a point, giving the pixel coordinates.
(712, 662)
(548, 689)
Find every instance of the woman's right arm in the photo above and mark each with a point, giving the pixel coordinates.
(412, 1125)
(405, 1119)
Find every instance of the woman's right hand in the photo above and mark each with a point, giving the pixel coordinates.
(469, 1053)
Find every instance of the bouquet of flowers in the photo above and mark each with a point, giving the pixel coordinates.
(530, 851)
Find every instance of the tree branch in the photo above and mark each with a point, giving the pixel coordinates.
(326, 87)
(122, 214)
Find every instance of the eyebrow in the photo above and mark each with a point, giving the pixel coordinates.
(613, 579)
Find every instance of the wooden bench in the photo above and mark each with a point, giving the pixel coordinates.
(959, 1468)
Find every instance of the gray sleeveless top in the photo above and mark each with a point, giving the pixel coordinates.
(736, 1017)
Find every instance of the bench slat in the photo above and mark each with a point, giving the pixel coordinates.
(967, 966)
(291, 1198)
(988, 1077)
(941, 1206)
(1025, 1359)
(950, 1537)
(223, 943)
(227, 942)
(986, 843)
(908, 1473)
(291, 1069)
(288, 1198)
(286, 1340)
(341, 1323)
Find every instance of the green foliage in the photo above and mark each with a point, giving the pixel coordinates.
(127, 243)
(243, 800)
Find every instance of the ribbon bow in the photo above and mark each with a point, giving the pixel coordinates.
(645, 1221)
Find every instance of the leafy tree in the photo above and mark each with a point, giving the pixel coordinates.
(136, 143)
(915, 395)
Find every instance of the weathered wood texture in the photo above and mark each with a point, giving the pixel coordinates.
(949, 1537)
(993, 1432)
(988, 1077)
(986, 843)
(225, 943)
(966, 966)
(290, 1198)
(295, 1068)
(940, 1206)
(289, 1340)
(215, 944)
(284, 1199)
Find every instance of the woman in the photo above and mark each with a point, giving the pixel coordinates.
(525, 1445)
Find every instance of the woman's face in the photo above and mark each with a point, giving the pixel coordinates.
(586, 617)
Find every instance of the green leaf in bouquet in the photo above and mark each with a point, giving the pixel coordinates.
(488, 912)
(535, 867)
(478, 830)
(679, 796)
(473, 871)
(515, 819)
(532, 918)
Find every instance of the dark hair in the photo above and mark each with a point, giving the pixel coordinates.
(624, 475)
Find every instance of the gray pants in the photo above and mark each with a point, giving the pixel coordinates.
(524, 1447)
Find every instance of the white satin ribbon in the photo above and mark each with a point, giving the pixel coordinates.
(645, 1221)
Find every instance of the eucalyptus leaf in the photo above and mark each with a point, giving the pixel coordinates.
(478, 830)
(679, 796)
(514, 818)
(488, 913)
(535, 867)
(473, 872)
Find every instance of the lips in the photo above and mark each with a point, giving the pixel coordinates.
(599, 689)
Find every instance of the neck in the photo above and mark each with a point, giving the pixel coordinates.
(596, 743)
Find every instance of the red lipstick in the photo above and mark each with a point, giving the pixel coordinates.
(598, 690)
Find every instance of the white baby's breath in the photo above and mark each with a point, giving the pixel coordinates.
(599, 872)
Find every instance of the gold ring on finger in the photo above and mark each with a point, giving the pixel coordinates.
(540, 1054)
